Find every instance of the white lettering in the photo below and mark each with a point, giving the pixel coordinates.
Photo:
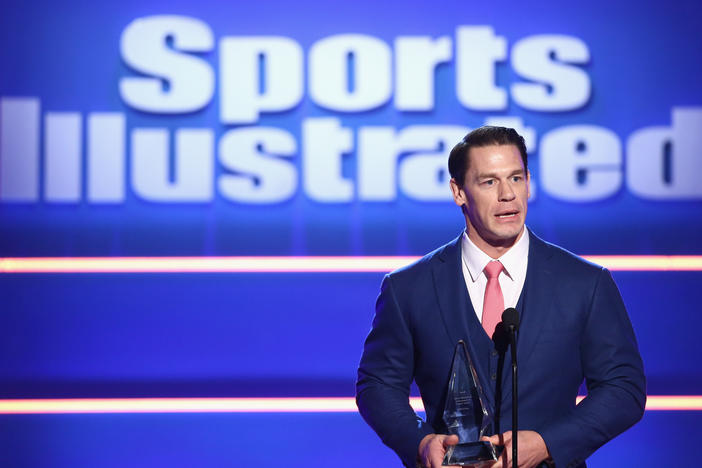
(350, 72)
(259, 175)
(558, 86)
(379, 149)
(262, 74)
(193, 167)
(106, 157)
(416, 59)
(19, 149)
(62, 157)
(664, 163)
(325, 143)
(478, 49)
(424, 175)
(580, 163)
(179, 83)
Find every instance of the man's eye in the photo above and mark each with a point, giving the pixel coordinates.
(516, 178)
(489, 182)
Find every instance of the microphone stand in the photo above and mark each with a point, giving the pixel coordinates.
(513, 343)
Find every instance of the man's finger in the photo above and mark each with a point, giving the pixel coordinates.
(497, 439)
(501, 462)
(506, 437)
(450, 440)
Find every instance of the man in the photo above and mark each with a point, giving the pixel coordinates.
(573, 327)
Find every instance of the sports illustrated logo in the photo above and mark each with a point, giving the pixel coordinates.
(70, 157)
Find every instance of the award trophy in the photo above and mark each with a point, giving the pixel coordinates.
(467, 416)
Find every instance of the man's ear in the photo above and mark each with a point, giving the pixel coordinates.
(528, 182)
(459, 195)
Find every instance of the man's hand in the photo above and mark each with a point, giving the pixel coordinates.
(432, 449)
(531, 448)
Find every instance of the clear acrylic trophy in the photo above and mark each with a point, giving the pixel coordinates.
(467, 416)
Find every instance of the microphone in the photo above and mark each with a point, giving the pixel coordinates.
(510, 320)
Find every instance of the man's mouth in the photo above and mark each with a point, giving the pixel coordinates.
(507, 214)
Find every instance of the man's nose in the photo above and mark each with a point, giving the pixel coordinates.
(506, 192)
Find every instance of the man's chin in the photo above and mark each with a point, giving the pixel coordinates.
(507, 238)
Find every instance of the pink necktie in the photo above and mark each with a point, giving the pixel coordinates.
(494, 303)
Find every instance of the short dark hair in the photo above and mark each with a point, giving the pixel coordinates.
(483, 136)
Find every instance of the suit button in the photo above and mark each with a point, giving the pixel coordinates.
(494, 376)
(494, 353)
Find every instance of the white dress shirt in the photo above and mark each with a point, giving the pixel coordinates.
(511, 278)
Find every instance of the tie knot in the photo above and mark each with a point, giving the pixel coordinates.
(493, 269)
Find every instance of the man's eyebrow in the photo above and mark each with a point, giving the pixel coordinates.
(493, 175)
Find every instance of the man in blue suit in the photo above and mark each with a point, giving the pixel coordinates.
(573, 327)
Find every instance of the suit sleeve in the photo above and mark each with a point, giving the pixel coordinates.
(614, 376)
(385, 373)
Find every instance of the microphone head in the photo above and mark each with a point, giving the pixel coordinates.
(510, 318)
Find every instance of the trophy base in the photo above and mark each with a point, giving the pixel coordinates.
(472, 453)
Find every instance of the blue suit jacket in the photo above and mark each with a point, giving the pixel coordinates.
(573, 326)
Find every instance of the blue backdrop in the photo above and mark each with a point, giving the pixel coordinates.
(313, 128)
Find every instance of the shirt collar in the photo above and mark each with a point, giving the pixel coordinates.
(476, 260)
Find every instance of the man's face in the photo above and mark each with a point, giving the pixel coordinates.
(493, 196)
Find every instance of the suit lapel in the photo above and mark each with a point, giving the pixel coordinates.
(535, 310)
(450, 290)
(457, 310)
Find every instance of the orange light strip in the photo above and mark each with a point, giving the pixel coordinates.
(295, 264)
(253, 405)
(648, 262)
(179, 405)
(201, 264)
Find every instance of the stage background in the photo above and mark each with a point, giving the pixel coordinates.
(313, 129)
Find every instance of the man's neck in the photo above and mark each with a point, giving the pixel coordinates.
(495, 250)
